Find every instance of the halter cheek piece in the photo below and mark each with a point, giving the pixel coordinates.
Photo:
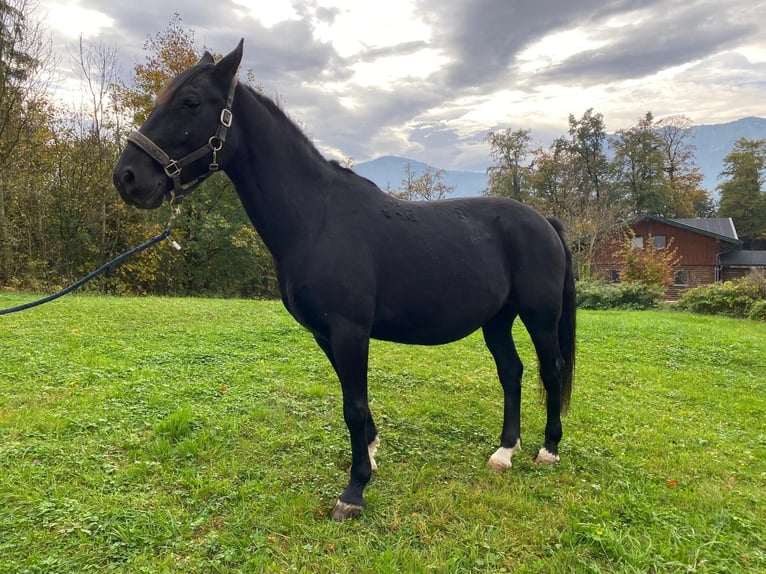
(173, 167)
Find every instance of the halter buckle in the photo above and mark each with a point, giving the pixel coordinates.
(226, 117)
(172, 169)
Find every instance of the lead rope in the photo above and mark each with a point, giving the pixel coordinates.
(174, 211)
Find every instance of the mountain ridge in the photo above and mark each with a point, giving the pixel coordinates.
(713, 142)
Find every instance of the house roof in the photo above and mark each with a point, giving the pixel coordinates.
(718, 225)
(743, 258)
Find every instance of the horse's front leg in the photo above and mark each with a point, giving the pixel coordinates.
(373, 439)
(348, 348)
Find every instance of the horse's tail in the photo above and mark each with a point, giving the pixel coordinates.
(568, 321)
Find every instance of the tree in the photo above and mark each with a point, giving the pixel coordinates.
(427, 186)
(170, 52)
(25, 54)
(97, 134)
(509, 175)
(653, 169)
(684, 177)
(552, 181)
(638, 168)
(742, 193)
(598, 207)
(221, 254)
(587, 143)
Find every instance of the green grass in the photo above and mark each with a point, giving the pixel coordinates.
(168, 435)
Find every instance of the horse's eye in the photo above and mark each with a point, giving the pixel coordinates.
(191, 102)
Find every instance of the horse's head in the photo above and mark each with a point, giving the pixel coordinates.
(182, 140)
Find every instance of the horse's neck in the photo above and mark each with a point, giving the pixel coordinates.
(278, 176)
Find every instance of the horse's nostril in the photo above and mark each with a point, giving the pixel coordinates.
(127, 177)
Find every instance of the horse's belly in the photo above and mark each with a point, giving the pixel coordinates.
(420, 336)
(432, 324)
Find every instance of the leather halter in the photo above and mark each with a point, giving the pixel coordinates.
(173, 167)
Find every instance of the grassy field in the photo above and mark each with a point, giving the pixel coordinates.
(167, 435)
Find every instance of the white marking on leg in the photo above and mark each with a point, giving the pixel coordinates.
(501, 460)
(372, 448)
(546, 457)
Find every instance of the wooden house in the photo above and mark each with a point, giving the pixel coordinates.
(709, 250)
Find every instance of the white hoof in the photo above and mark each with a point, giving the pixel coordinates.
(372, 448)
(546, 457)
(501, 459)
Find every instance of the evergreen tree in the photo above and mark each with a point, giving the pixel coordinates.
(24, 52)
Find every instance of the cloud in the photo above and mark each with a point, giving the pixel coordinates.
(649, 44)
(431, 78)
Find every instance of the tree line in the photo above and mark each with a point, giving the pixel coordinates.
(61, 218)
(594, 182)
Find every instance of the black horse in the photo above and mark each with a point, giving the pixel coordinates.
(353, 263)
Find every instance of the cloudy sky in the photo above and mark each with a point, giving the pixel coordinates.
(427, 79)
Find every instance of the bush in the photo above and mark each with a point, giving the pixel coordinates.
(742, 298)
(758, 310)
(594, 294)
(648, 265)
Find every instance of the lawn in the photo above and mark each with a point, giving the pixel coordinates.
(195, 435)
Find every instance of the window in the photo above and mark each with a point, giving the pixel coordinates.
(681, 277)
(659, 241)
(637, 242)
(614, 275)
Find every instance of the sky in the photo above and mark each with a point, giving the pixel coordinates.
(428, 79)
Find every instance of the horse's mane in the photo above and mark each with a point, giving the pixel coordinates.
(276, 111)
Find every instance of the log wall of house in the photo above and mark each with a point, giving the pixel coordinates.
(695, 249)
(732, 273)
(698, 253)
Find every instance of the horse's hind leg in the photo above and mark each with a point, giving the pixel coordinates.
(543, 330)
(497, 336)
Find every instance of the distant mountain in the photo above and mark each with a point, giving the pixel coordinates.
(388, 171)
(712, 142)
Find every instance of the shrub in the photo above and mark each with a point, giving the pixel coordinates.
(639, 295)
(758, 310)
(595, 294)
(648, 265)
(742, 298)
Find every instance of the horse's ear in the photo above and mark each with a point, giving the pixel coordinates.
(229, 65)
(207, 58)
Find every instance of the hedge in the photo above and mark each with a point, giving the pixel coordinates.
(597, 294)
(741, 298)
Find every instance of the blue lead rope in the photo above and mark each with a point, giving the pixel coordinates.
(105, 267)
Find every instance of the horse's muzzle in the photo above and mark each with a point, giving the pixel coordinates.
(136, 193)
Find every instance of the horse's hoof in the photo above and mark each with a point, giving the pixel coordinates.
(344, 511)
(501, 459)
(546, 457)
(497, 464)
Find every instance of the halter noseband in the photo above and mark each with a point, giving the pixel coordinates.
(173, 167)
